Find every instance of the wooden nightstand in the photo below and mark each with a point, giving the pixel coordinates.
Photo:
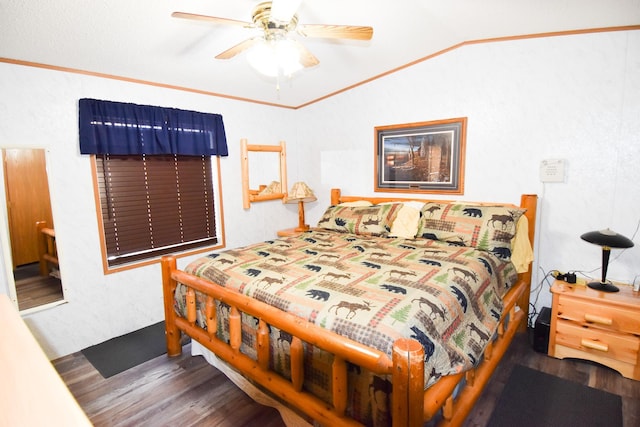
(289, 232)
(598, 326)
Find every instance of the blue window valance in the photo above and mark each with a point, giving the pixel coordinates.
(119, 128)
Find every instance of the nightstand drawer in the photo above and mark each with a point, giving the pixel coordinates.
(599, 314)
(624, 348)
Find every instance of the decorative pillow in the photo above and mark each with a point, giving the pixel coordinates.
(406, 223)
(363, 220)
(484, 227)
(522, 252)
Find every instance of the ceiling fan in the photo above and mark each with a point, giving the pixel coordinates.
(277, 19)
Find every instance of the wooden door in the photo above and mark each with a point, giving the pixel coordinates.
(28, 202)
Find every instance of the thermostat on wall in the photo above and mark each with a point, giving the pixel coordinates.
(552, 170)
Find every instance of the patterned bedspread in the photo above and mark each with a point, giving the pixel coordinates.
(375, 290)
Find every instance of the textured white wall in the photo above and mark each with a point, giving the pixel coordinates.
(574, 97)
(38, 108)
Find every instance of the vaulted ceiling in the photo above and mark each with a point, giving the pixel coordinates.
(140, 41)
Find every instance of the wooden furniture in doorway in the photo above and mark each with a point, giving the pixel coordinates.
(27, 193)
(47, 248)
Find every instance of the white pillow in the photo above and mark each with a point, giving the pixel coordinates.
(406, 223)
(357, 203)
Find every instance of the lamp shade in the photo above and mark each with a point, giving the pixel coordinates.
(607, 238)
(300, 192)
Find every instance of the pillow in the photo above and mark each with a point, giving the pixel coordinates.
(363, 220)
(357, 203)
(484, 227)
(406, 223)
(522, 253)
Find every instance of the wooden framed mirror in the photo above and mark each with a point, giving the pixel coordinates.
(34, 257)
(277, 189)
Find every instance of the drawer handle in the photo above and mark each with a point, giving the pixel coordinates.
(592, 318)
(594, 345)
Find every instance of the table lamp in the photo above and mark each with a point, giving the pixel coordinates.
(607, 239)
(301, 193)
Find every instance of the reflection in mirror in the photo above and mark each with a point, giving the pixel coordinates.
(31, 231)
(276, 167)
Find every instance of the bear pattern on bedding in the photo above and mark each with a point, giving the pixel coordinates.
(375, 290)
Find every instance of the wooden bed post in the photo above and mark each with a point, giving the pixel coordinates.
(407, 396)
(335, 196)
(172, 333)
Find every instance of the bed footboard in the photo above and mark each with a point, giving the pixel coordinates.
(406, 366)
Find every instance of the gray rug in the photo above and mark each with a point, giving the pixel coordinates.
(124, 352)
(535, 399)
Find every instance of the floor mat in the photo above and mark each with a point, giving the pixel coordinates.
(121, 353)
(536, 399)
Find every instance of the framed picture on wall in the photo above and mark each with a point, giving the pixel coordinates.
(425, 157)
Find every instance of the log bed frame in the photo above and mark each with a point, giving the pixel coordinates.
(411, 405)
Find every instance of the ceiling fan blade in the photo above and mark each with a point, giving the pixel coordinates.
(307, 59)
(336, 31)
(240, 47)
(196, 17)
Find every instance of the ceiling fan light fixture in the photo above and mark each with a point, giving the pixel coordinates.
(275, 57)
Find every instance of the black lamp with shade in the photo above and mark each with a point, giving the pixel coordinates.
(607, 239)
(301, 193)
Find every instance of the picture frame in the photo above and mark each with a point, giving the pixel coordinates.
(424, 157)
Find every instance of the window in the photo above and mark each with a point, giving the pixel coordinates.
(155, 205)
(154, 176)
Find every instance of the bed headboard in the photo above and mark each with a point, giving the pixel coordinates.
(527, 201)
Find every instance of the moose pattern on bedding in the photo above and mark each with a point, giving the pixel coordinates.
(371, 289)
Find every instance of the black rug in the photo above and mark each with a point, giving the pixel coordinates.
(121, 353)
(536, 399)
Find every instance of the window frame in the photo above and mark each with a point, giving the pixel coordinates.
(154, 259)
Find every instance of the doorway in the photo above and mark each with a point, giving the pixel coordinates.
(31, 229)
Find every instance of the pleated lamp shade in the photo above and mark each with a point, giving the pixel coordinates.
(301, 193)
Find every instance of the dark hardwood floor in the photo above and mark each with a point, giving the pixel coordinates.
(33, 290)
(181, 391)
(187, 391)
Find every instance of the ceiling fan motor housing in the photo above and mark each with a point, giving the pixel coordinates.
(272, 29)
